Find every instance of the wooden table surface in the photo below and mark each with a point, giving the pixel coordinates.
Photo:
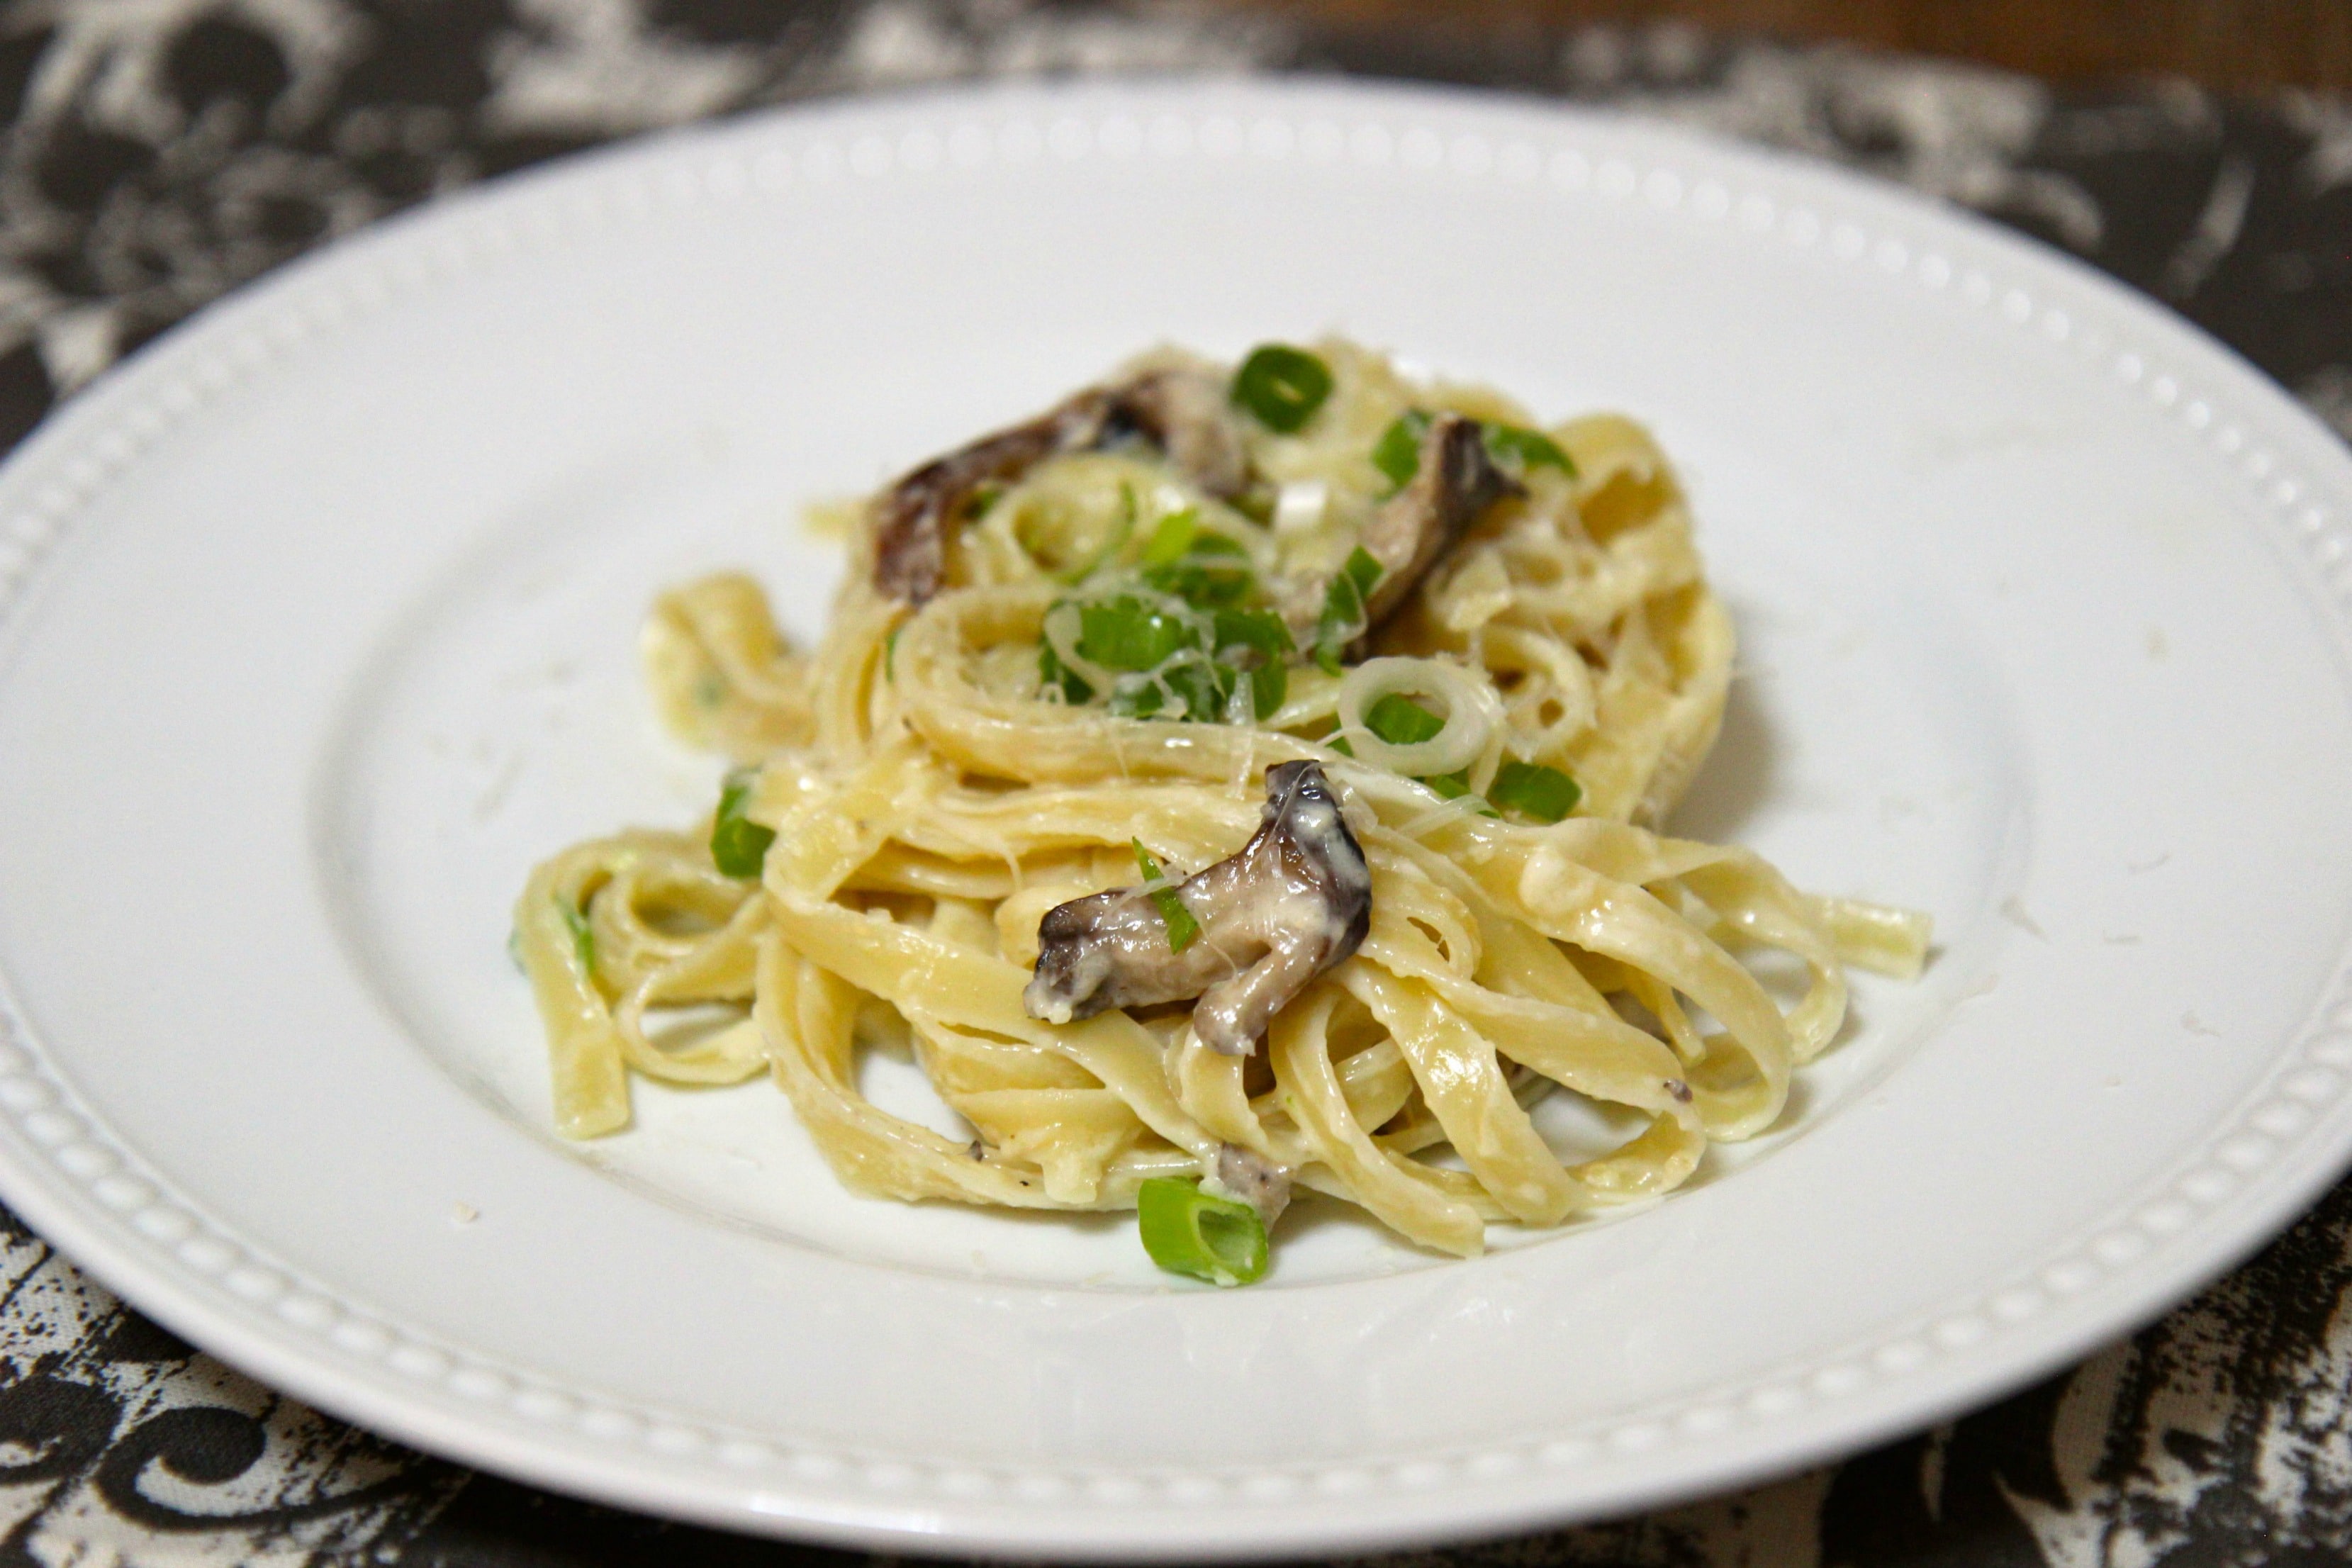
(2229, 44)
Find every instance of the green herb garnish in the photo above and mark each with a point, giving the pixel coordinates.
(1128, 633)
(1181, 927)
(1200, 683)
(1135, 635)
(1282, 386)
(1051, 672)
(1199, 666)
(1534, 789)
(737, 844)
(1397, 453)
(1402, 721)
(1207, 571)
(1514, 445)
(1172, 538)
(1254, 644)
(1344, 616)
(1214, 575)
(1186, 1231)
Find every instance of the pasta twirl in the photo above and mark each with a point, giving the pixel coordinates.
(1080, 646)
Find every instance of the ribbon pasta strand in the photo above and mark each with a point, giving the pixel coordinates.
(933, 789)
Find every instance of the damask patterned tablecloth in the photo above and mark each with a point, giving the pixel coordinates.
(159, 152)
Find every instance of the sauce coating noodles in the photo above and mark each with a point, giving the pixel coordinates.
(938, 775)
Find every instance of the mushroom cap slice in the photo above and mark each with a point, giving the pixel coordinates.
(1288, 905)
(1456, 481)
(1181, 410)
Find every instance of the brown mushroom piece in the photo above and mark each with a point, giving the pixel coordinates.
(1456, 481)
(1249, 1177)
(1182, 410)
(1289, 904)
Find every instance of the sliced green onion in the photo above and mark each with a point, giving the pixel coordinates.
(890, 653)
(1191, 671)
(1216, 575)
(1449, 786)
(1181, 927)
(1259, 629)
(1527, 449)
(1262, 634)
(1207, 571)
(1051, 672)
(737, 844)
(1172, 538)
(1397, 453)
(1534, 789)
(1402, 721)
(584, 936)
(1344, 615)
(1207, 688)
(1281, 386)
(514, 949)
(1186, 1231)
(1128, 633)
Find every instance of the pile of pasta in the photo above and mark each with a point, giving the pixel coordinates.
(932, 796)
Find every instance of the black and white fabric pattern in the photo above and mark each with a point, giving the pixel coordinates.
(158, 153)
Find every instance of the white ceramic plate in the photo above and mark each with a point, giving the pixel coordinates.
(319, 621)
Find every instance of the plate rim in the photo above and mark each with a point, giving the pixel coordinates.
(96, 1217)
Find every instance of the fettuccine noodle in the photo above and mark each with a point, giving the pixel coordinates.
(937, 781)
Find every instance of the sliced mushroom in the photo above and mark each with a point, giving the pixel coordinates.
(1289, 904)
(1457, 482)
(1186, 414)
(1180, 410)
(1249, 1177)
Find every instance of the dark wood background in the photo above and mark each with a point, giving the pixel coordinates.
(2227, 44)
